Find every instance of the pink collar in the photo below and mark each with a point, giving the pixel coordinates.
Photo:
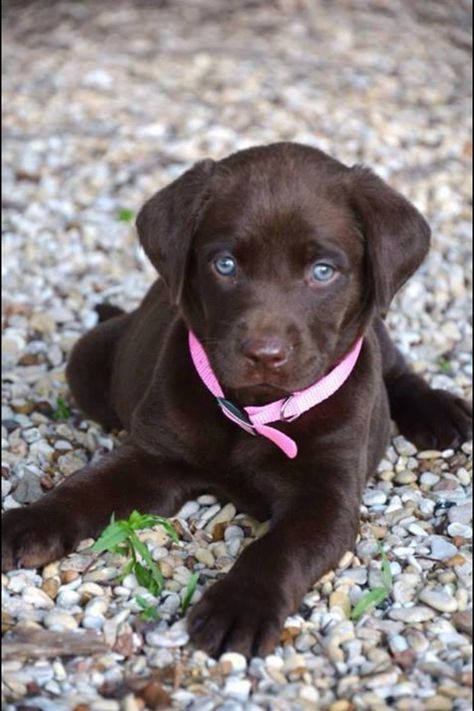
(254, 420)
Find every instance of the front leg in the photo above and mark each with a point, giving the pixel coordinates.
(126, 479)
(428, 417)
(245, 611)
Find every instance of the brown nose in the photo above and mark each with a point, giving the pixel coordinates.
(269, 352)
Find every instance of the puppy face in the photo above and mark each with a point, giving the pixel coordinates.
(277, 274)
(277, 257)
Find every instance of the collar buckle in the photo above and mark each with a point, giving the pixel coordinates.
(284, 417)
(236, 414)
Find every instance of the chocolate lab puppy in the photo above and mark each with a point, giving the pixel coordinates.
(257, 368)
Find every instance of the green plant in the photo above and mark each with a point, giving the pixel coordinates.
(377, 595)
(125, 215)
(190, 588)
(149, 611)
(444, 365)
(62, 411)
(121, 537)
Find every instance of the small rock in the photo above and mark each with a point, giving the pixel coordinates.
(189, 509)
(59, 620)
(232, 532)
(405, 477)
(225, 515)
(204, 555)
(155, 696)
(429, 479)
(175, 636)
(237, 662)
(438, 703)
(438, 599)
(37, 598)
(460, 514)
(460, 529)
(206, 500)
(463, 621)
(374, 497)
(429, 454)
(441, 548)
(341, 600)
(51, 586)
(412, 615)
(238, 689)
(67, 598)
(29, 489)
(340, 633)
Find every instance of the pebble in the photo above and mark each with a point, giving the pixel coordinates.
(429, 479)
(238, 689)
(237, 662)
(340, 599)
(68, 598)
(462, 513)
(59, 620)
(37, 598)
(438, 599)
(204, 555)
(175, 636)
(460, 529)
(411, 615)
(463, 621)
(374, 497)
(340, 633)
(189, 509)
(225, 515)
(405, 477)
(232, 532)
(441, 548)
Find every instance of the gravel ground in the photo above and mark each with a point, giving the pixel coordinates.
(106, 102)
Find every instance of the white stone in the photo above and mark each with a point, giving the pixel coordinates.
(462, 513)
(37, 598)
(441, 548)
(237, 688)
(175, 636)
(438, 599)
(374, 497)
(59, 620)
(415, 614)
(236, 661)
(67, 598)
(460, 529)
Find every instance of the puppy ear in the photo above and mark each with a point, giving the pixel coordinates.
(167, 222)
(396, 234)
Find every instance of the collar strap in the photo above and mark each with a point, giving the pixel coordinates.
(254, 420)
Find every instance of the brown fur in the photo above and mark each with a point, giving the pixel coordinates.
(278, 209)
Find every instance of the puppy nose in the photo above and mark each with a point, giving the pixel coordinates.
(269, 352)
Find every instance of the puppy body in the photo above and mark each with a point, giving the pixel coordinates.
(270, 327)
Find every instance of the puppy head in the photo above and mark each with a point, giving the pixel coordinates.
(278, 256)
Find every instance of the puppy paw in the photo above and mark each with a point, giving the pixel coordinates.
(234, 616)
(434, 419)
(35, 535)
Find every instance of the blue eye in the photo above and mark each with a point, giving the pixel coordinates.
(322, 272)
(225, 265)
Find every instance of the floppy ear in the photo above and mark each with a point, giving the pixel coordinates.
(167, 222)
(397, 236)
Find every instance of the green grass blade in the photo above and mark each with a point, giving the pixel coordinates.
(154, 570)
(111, 537)
(190, 589)
(370, 599)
